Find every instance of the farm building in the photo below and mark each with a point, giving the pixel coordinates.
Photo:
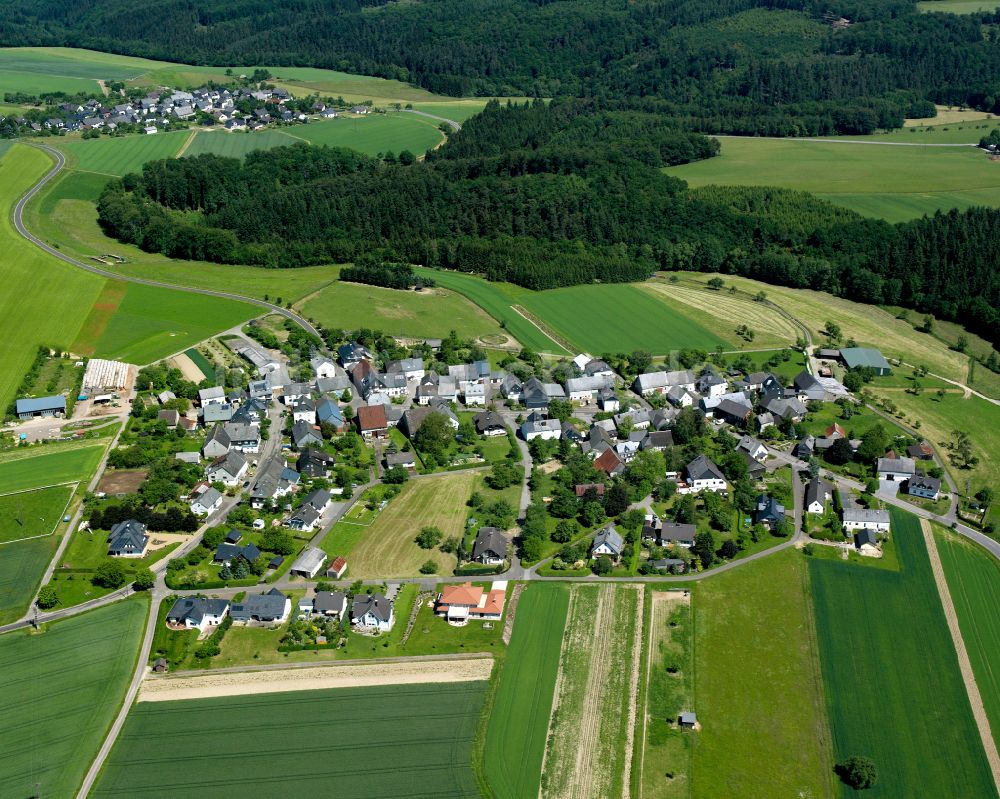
(857, 357)
(41, 406)
(337, 568)
(896, 469)
(308, 563)
(866, 519)
(687, 719)
(102, 375)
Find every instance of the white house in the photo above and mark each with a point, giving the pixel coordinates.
(586, 389)
(228, 470)
(545, 429)
(662, 382)
(702, 475)
(197, 613)
(208, 501)
(897, 470)
(608, 542)
(372, 611)
(323, 367)
(212, 396)
(818, 496)
(866, 519)
(475, 394)
(752, 447)
(304, 411)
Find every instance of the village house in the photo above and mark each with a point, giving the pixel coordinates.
(410, 368)
(306, 435)
(661, 382)
(128, 539)
(228, 470)
(819, 493)
(586, 389)
(460, 603)
(372, 612)
(272, 607)
(752, 447)
(702, 474)
(896, 470)
(922, 486)
(608, 542)
(243, 437)
(668, 533)
(372, 422)
(206, 502)
(609, 462)
(768, 512)
(545, 429)
(866, 544)
(197, 613)
(865, 519)
(490, 547)
(227, 553)
(489, 423)
(331, 604)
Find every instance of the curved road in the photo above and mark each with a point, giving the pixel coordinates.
(226, 295)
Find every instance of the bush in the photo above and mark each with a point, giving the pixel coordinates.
(603, 565)
(859, 772)
(428, 538)
(430, 567)
(47, 598)
(110, 574)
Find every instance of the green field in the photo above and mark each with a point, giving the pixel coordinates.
(58, 694)
(431, 313)
(21, 568)
(922, 179)
(957, 6)
(236, 145)
(374, 133)
(456, 110)
(519, 717)
(973, 576)
(393, 740)
(29, 514)
(120, 155)
(758, 692)
(619, 318)
(41, 468)
(969, 132)
(894, 691)
(46, 301)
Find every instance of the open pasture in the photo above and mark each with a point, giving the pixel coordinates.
(957, 6)
(414, 740)
(512, 763)
(856, 175)
(32, 513)
(236, 145)
(59, 692)
(973, 577)
(429, 313)
(387, 548)
(894, 690)
(620, 318)
(758, 691)
(119, 155)
(374, 133)
(589, 751)
(40, 467)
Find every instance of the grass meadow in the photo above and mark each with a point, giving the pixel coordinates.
(374, 133)
(592, 716)
(957, 6)
(119, 155)
(973, 576)
(412, 740)
(430, 313)
(387, 548)
(42, 467)
(59, 691)
(922, 179)
(758, 691)
(22, 565)
(519, 717)
(33, 513)
(620, 318)
(894, 690)
(236, 145)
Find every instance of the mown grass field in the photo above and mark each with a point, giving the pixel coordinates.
(589, 750)
(45, 301)
(236, 145)
(956, 6)
(894, 690)
(973, 576)
(39, 467)
(519, 718)
(620, 318)
(894, 183)
(58, 694)
(29, 514)
(412, 740)
(374, 133)
(116, 156)
(387, 548)
(430, 313)
(938, 132)
(758, 691)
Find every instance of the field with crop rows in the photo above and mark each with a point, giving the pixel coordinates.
(121, 154)
(394, 740)
(430, 313)
(512, 763)
(41, 467)
(620, 318)
(59, 692)
(236, 145)
(387, 548)
(33, 513)
(22, 565)
(589, 751)
(758, 689)
(894, 690)
(973, 576)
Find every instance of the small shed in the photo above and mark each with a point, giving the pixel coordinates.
(160, 665)
(688, 719)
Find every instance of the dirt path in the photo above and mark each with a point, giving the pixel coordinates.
(548, 332)
(104, 87)
(332, 675)
(188, 368)
(187, 143)
(975, 697)
(633, 698)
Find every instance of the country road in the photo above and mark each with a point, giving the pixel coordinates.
(455, 126)
(226, 295)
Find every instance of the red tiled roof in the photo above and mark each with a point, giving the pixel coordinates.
(372, 417)
(464, 594)
(608, 461)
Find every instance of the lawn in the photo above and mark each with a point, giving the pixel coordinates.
(32, 513)
(431, 313)
(519, 717)
(58, 694)
(358, 742)
(857, 176)
(48, 300)
(119, 155)
(236, 145)
(44, 467)
(374, 133)
(629, 319)
(973, 577)
(758, 692)
(151, 323)
(894, 690)
(387, 548)
(592, 717)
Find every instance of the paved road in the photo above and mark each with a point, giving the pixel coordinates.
(19, 225)
(450, 122)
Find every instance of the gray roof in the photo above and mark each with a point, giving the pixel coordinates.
(309, 561)
(196, 608)
(863, 356)
(866, 515)
(926, 483)
(862, 537)
(39, 404)
(488, 420)
(589, 383)
(264, 607)
(702, 468)
(325, 601)
(898, 465)
(489, 539)
(376, 604)
(209, 497)
(213, 393)
(233, 463)
(817, 490)
(128, 535)
(217, 412)
(609, 537)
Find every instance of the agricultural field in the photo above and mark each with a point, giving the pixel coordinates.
(375, 133)
(893, 686)
(512, 764)
(630, 319)
(758, 691)
(59, 691)
(456, 110)
(589, 749)
(22, 565)
(43, 69)
(387, 548)
(428, 313)
(40, 467)
(34, 278)
(418, 736)
(119, 155)
(854, 175)
(957, 6)
(973, 576)
(32, 513)
(937, 132)
(235, 145)
(666, 749)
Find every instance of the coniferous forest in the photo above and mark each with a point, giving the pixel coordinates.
(547, 195)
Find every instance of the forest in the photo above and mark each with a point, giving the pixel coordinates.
(775, 67)
(545, 195)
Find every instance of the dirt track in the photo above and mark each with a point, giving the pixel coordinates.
(188, 368)
(333, 675)
(971, 686)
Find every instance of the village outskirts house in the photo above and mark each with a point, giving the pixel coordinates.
(865, 519)
(896, 470)
(228, 470)
(271, 607)
(490, 546)
(206, 502)
(460, 603)
(701, 474)
(922, 486)
(197, 613)
(372, 612)
(128, 539)
(608, 542)
(819, 494)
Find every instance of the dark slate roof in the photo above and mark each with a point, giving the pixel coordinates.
(195, 609)
(376, 604)
(817, 490)
(488, 420)
(329, 600)
(233, 537)
(768, 509)
(489, 539)
(270, 605)
(702, 468)
(862, 537)
(128, 535)
(609, 536)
